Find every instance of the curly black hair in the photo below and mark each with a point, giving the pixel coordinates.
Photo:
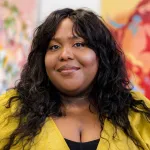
(111, 90)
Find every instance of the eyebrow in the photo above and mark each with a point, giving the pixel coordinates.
(70, 38)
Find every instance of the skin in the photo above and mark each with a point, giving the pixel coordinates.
(72, 67)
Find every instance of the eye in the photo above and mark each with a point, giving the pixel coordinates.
(53, 48)
(79, 45)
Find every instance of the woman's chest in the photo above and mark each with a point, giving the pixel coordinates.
(79, 129)
(51, 138)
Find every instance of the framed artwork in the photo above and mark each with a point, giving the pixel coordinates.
(17, 22)
(129, 22)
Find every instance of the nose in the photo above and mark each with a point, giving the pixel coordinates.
(66, 54)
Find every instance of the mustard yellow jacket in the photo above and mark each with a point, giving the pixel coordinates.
(50, 137)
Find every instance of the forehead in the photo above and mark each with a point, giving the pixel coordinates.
(65, 30)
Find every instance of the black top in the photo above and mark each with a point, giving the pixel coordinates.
(92, 145)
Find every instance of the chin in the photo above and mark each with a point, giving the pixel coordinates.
(74, 93)
(71, 93)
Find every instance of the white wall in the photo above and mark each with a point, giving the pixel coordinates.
(47, 6)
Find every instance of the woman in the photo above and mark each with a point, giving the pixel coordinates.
(74, 92)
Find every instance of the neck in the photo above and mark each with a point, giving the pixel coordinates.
(79, 100)
(76, 104)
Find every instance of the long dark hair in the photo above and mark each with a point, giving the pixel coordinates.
(111, 90)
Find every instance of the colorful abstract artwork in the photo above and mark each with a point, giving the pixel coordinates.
(17, 21)
(129, 21)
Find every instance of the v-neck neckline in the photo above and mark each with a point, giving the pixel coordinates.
(64, 142)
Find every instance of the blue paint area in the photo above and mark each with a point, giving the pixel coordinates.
(115, 24)
(133, 25)
(133, 28)
(137, 18)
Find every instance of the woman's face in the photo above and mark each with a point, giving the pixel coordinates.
(70, 64)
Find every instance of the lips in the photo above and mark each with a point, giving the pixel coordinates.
(67, 68)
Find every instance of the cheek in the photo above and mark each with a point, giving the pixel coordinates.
(89, 59)
(49, 62)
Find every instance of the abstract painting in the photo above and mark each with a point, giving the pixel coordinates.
(17, 23)
(129, 22)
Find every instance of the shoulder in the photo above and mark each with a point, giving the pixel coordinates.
(8, 94)
(4, 98)
(7, 123)
(138, 120)
(138, 114)
(140, 96)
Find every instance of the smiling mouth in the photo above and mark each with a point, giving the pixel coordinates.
(66, 70)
